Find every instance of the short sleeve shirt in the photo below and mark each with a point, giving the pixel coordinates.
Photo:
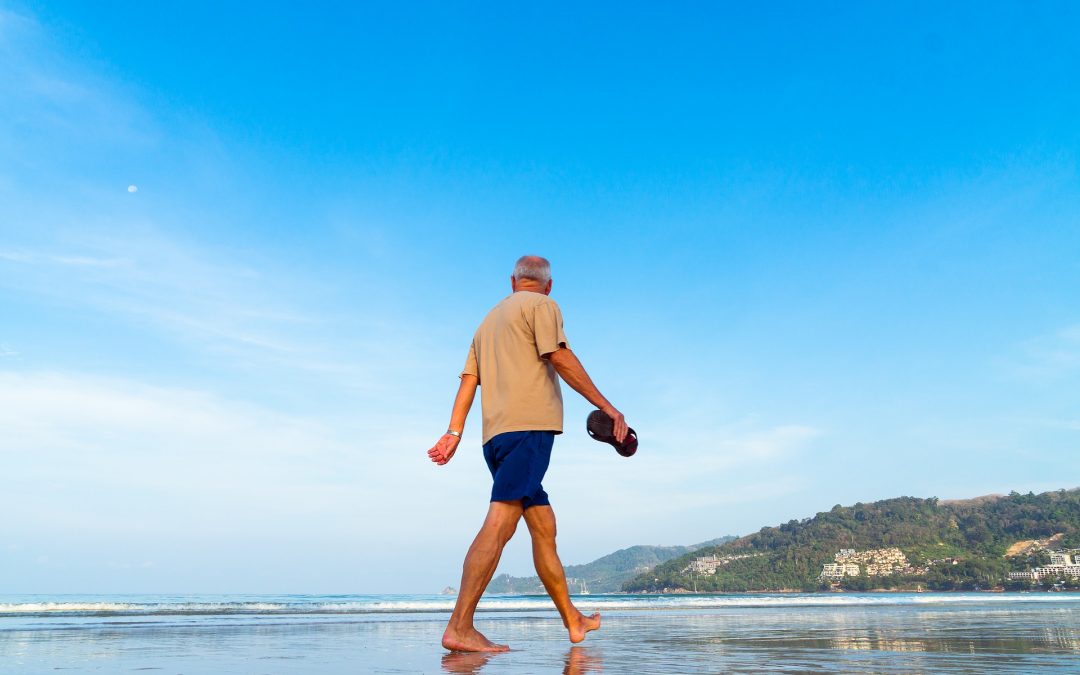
(519, 388)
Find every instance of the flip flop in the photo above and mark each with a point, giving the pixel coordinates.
(602, 428)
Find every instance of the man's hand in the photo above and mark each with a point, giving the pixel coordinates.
(445, 448)
(621, 429)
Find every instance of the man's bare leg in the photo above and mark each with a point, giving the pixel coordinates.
(541, 522)
(480, 564)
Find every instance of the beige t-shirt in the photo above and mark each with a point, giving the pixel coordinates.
(519, 389)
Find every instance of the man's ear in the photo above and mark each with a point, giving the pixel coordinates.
(513, 283)
(547, 288)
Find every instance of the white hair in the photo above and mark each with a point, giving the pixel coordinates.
(533, 267)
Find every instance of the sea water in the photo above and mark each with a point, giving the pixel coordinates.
(828, 633)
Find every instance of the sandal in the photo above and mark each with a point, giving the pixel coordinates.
(601, 428)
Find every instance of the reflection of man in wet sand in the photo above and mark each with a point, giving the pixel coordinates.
(514, 358)
(578, 661)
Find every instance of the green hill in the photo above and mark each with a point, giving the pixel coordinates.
(945, 545)
(606, 574)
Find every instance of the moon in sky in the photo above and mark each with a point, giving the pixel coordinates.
(133, 188)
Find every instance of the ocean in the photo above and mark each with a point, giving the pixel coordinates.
(770, 633)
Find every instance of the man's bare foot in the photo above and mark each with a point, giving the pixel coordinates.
(470, 640)
(581, 625)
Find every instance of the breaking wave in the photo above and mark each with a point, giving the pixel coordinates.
(408, 604)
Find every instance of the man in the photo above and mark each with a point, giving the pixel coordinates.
(514, 358)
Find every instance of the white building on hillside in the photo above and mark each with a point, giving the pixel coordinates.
(836, 571)
(877, 561)
(704, 565)
(1063, 558)
(708, 564)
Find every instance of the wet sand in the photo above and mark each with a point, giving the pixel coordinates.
(997, 637)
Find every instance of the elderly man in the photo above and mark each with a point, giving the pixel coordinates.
(515, 355)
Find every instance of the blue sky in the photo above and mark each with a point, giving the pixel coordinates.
(817, 255)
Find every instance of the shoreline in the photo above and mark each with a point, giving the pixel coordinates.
(794, 591)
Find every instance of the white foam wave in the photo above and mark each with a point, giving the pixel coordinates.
(383, 604)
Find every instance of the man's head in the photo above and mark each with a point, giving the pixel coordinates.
(531, 273)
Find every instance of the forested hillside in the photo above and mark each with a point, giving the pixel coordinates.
(949, 545)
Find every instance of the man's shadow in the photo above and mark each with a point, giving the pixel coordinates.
(578, 661)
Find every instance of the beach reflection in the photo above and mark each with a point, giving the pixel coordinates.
(578, 661)
(876, 644)
(581, 660)
(465, 663)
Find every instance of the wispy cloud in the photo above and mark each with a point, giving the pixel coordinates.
(31, 258)
(16, 256)
(151, 278)
(12, 25)
(7, 351)
(87, 261)
(106, 442)
(1050, 356)
(245, 315)
(52, 99)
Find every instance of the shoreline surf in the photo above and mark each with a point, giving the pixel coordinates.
(38, 606)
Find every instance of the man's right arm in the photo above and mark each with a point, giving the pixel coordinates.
(569, 368)
(444, 449)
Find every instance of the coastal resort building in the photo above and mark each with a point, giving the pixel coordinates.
(875, 562)
(1062, 564)
(708, 564)
(837, 571)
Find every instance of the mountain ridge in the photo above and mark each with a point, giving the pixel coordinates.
(607, 573)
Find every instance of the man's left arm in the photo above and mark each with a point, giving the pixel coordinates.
(551, 344)
(443, 450)
(569, 368)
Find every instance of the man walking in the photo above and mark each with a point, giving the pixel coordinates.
(514, 358)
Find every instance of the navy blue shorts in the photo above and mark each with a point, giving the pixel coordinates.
(518, 461)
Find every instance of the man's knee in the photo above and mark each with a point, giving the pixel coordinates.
(503, 519)
(541, 522)
(507, 530)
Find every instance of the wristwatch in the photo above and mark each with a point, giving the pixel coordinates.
(451, 432)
